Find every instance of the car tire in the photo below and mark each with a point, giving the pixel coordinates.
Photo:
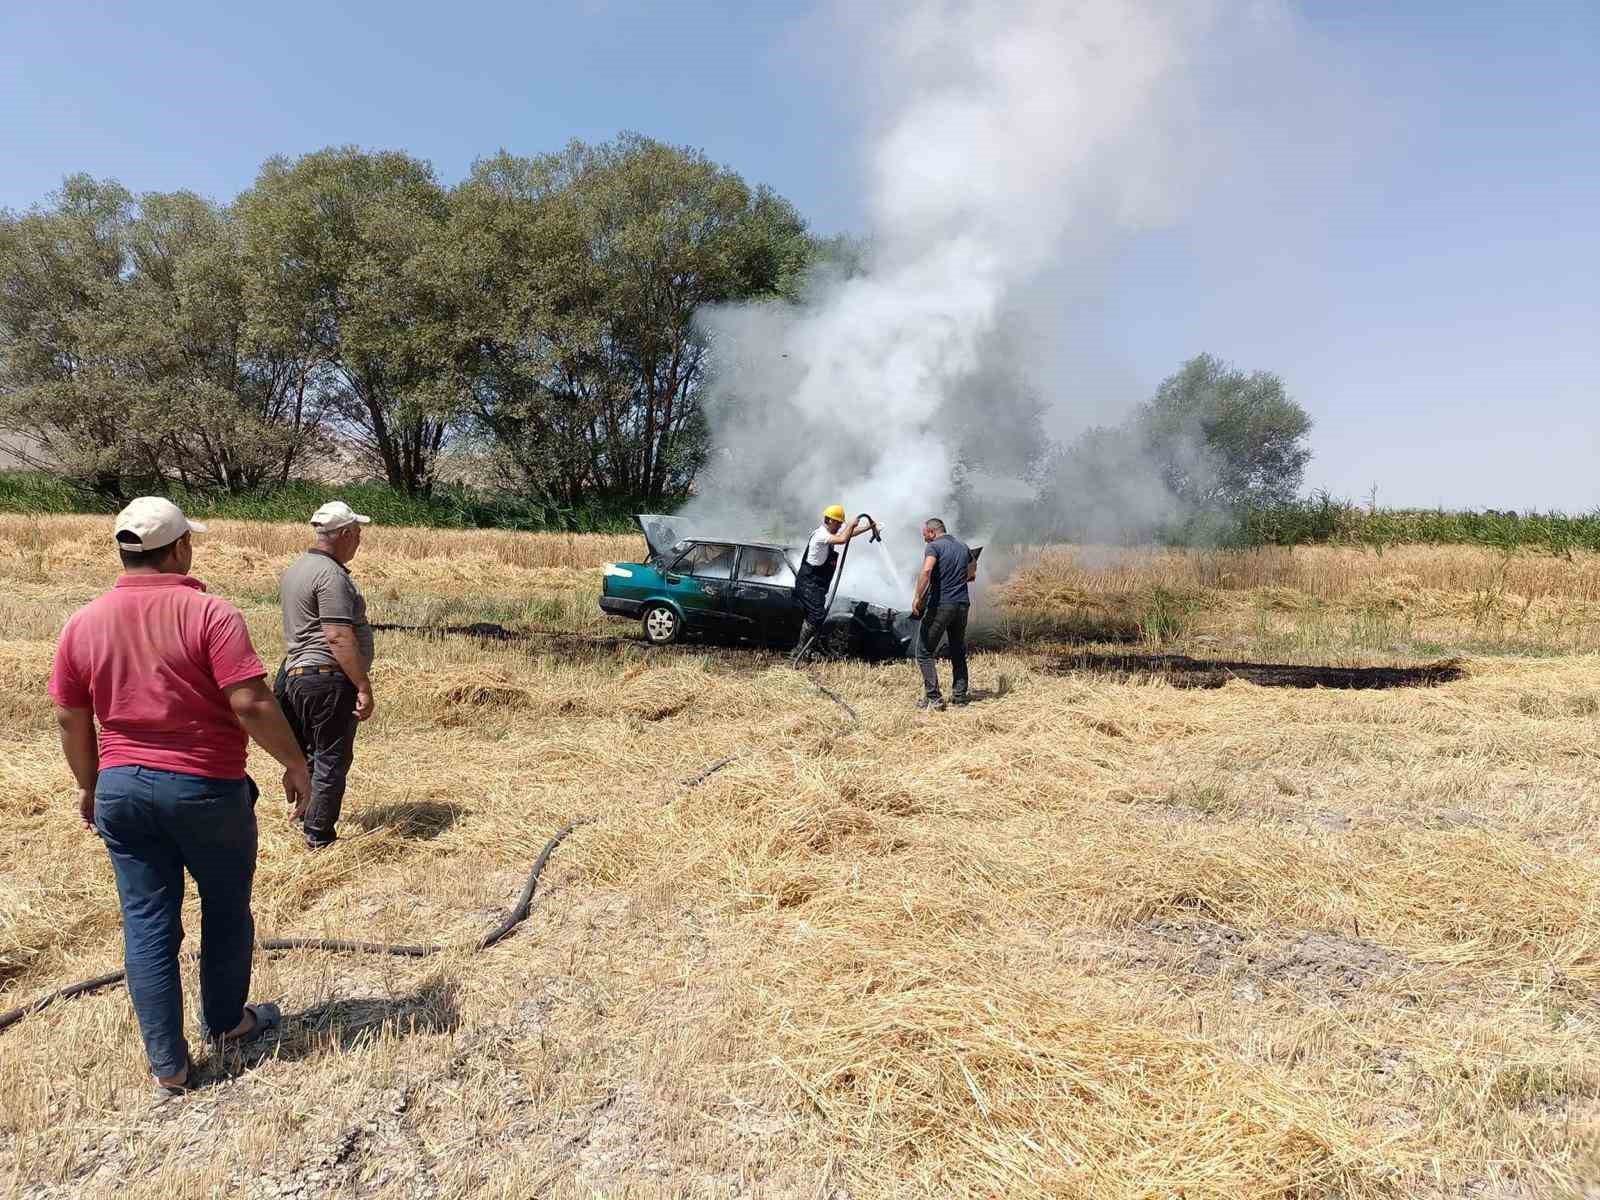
(662, 626)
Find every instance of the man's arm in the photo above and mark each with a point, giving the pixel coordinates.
(854, 529)
(256, 708)
(346, 652)
(83, 756)
(922, 585)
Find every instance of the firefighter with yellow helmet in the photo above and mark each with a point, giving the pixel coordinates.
(817, 566)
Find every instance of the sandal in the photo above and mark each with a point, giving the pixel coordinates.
(267, 1017)
(190, 1081)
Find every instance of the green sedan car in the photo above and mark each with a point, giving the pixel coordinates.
(730, 590)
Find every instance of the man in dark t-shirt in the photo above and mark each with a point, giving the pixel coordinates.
(942, 602)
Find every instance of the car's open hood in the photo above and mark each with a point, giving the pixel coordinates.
(660, 532)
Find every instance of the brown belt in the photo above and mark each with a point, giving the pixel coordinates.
(296, 672)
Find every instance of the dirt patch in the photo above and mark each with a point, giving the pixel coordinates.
(376, 1151)
(626, 1140)
(1182, 671)
(1331, 962)
(1314, 963)
(1208, 948)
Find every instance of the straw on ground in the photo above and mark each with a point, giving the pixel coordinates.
(1094, 936)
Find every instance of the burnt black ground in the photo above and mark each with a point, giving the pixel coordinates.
(1182, 671)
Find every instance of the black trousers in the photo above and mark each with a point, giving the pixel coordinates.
(811, 594)
(947, 620)
(321, 710)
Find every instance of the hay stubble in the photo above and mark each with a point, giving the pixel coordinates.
(1091, 937)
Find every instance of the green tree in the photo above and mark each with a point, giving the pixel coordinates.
(1224, 439)
(840, 256)
(64, 389)
(1188, 465)
(124, 366)
(234, 416)
(339, 248)
(575, 281)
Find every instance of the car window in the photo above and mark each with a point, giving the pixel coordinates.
(709, 560)
(765, 566)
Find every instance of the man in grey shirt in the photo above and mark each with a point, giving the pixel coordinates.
(942, 602)
(323, 685)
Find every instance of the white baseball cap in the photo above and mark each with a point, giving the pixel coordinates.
(336, 514)
(151, 522)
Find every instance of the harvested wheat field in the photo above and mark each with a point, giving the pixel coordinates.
(1097, 935)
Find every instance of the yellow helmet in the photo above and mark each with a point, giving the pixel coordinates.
(834, 512)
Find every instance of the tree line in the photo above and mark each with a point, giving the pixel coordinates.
(538, 316)
(539, 313)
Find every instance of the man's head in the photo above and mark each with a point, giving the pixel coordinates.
(338, 530)
(931, 528)
(833, 517)
(153, 535)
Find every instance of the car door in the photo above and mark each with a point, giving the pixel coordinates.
(763, 596)
(700, 581)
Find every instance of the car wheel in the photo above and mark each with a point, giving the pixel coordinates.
(661, 625)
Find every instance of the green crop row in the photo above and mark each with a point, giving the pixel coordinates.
(1325, 520)
(1320, 520)
(448, 508)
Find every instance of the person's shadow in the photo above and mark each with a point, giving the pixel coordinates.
(979, 695)
(344, 1024)
(1002, 688)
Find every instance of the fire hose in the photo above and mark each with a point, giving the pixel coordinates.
(518, 914)
(833, 589)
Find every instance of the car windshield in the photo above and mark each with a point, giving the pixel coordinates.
(709, 560)
(760, 565)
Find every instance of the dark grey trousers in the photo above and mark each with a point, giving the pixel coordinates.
(321, 710)
(945, 621)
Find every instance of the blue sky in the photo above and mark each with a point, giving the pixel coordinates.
(1420, 266)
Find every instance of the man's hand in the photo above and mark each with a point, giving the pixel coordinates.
(365, 705)
(297, 787)
(257, 710)
(83, 756)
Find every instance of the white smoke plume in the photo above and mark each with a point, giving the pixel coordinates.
(1007, 141)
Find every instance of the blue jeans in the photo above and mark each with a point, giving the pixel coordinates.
(154, 824)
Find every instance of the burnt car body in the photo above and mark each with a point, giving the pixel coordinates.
(735, 590)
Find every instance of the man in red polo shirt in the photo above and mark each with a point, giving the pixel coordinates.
(170, 676)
